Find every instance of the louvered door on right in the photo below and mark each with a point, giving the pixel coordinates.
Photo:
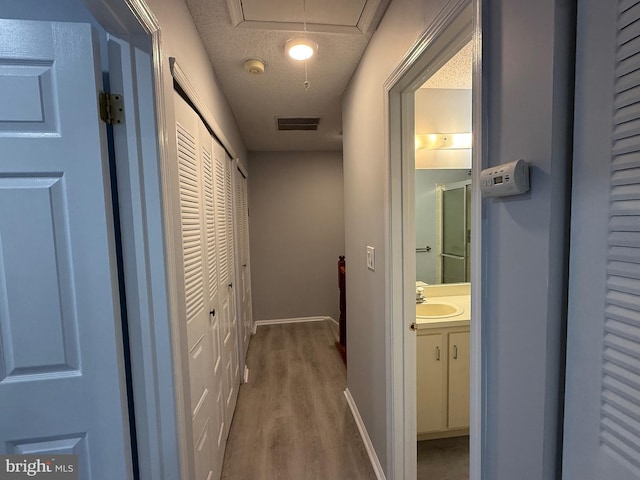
(602, 403)
(224, 235)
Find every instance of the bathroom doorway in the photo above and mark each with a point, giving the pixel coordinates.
(434, 227)
(443, 138)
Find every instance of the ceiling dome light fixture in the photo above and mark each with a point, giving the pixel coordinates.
(300, 48)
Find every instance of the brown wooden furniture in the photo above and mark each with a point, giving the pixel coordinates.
(342, 344)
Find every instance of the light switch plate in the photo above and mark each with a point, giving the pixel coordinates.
(371, 258)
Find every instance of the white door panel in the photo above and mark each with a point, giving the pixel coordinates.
(61, 360)
(602, 404)
(220, 426)
(200, 383)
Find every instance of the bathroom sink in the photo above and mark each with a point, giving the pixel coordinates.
(437, 310)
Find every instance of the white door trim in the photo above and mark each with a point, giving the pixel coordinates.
(158, 397)
(401, 268)
(478, 162)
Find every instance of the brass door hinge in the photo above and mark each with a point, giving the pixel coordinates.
(111, 108)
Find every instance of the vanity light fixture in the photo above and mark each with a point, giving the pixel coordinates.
(443, 141)
(300, 48)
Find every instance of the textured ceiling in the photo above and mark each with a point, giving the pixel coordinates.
(456, 73)
(256, 100)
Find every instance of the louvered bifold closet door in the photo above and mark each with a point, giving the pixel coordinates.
(244, 287)
(228, 190)
(217, 422)
(602, 405)
(233, 311)
(194, 154)
(240, 224)
(224, 236)
(221, 214)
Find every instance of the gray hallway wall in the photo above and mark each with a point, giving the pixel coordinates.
(296, 224)
(366, 208)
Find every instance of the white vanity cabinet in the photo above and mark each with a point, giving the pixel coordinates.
(442, 384)
(430, 382)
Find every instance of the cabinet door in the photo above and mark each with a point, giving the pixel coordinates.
(429, 385)
(458, 416)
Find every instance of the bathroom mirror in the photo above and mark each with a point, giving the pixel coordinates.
(443, 172)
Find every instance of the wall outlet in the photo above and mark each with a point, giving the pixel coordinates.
(371, 258)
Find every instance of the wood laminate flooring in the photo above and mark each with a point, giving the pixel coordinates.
(292, 420)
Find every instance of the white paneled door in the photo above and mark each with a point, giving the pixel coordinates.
(602, 405)
(62, 384)
(207, 237)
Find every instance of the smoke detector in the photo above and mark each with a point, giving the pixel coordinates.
(254, 66)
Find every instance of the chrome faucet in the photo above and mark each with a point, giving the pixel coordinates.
(420, 298)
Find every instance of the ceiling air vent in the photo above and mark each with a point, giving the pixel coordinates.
(297, 123)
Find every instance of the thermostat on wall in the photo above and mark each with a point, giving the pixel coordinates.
(507, 179)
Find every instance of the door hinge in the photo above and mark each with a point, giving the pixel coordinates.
(111, 108)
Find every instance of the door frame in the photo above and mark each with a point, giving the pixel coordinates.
(400, 258)
(150, 291)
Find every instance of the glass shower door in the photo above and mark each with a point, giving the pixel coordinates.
(455, 234)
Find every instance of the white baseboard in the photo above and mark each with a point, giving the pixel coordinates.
(280, 321)
(373, 457)
(333, 320)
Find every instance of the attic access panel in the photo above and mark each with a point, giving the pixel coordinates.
(329, 12)
(344, 16)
